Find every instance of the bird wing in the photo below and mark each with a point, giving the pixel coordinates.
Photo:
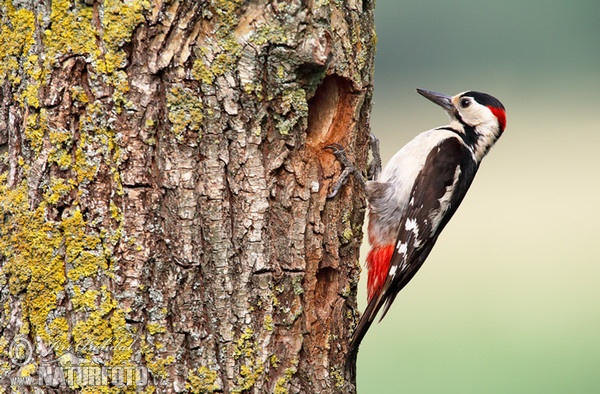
(437, 192)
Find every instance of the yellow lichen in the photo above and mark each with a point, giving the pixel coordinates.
(202, 380)
(28, 242)
(155, 328)
(119, 19)
(82, 251)
(92, 333)
(45, 259)
(3, 346)
(268, 323)
(282, 383)
(122, 338)
(249, 374)
(85, 300)
(338, 378)
(57, 189)
(16, 39)
(246, 348)
(58, 336)
(28, 370)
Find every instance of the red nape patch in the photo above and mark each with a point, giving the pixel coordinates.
(378, 265)
(500, 115)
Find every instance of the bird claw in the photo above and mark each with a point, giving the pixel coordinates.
(375, 164)
(340, 153)
(335, 148)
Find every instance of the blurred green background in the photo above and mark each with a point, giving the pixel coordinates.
(509, 299)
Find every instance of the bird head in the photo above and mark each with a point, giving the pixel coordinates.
(480, 117)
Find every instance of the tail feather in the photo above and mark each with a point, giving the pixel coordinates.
(365, 322)
(378, 263)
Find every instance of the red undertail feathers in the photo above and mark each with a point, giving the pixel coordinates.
(378, 265)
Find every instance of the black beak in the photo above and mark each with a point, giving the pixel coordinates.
(440, 99)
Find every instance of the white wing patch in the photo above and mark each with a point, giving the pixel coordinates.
(437, 215)
(402, 248)
(411, 225)
(393, 269)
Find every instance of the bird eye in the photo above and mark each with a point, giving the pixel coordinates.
(464, 103)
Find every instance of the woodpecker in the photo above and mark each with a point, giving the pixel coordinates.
(412, 199)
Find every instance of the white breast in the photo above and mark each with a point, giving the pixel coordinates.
(389, 195)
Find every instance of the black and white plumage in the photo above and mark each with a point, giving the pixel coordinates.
(418, 192)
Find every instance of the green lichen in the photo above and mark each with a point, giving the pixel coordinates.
(229, 50)
(293, 108)
(346, 291)
(202, 380)
(225, 50)
(149, 123)
(185, 111)
(255, 88)
(347, 233)
(201, 72)
(269, 34)
(295, 100)
(297, 285)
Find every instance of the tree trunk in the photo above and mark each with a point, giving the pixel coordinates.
(163, 193)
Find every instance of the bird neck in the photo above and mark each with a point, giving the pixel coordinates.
(479, 139)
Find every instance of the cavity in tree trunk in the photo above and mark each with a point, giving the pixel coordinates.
(163, 193)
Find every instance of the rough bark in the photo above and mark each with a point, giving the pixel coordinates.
(163, 192)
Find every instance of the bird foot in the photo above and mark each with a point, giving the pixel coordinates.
(375, 164)
(372, 173)
(340, 153)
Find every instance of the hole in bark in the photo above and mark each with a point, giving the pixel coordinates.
(325, 289)
(331, 112)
